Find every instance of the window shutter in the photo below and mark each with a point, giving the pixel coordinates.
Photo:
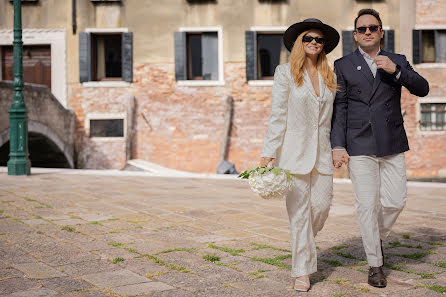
(389, 41)
(209, 53)
(440, 46)
(180, 56)
(347, 42)
(251, 55)
(416, 47)
(84, 57)
(127, 56)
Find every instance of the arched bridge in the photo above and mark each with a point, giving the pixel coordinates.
(50, 127)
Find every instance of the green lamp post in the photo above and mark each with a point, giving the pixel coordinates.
(19, 163)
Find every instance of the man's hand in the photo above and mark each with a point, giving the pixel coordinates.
(264, 161)
(383, 62)
(340, 157)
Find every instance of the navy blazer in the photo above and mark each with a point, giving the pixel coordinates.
(367, 117)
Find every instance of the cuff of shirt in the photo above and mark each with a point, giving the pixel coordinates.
(398, 75)
(338, 148)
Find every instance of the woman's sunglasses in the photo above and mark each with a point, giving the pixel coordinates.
(363, 29)
(319, 40)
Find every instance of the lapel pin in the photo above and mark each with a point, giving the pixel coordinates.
(359, 68)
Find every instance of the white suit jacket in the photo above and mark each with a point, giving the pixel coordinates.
(299, 127)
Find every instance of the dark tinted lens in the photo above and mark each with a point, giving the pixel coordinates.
(319, 40)
(307, 39)
(361, 30)
(373, 28)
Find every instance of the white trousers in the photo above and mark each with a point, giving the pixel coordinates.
(308, 204)
(380, 191)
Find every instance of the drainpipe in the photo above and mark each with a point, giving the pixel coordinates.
(73, 16)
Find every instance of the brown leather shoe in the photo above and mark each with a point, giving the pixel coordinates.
(377, 277)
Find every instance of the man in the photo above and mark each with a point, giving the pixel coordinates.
(368, 133)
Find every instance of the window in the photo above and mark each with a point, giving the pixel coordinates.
(198, 55)
(105, 55)
(107, 128)
(264, 51)
(271, 52)
(433, 116)
(349, 44)
(202, 56)
(429, 46)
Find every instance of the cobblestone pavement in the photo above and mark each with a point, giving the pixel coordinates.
(78, 235)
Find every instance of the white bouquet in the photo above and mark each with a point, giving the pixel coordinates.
(268, 182)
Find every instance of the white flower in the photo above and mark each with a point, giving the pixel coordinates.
(270, 185)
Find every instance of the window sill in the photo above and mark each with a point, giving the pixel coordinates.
(107, 139)
(431, 65)
(200, 83)
(260, 83)
(106, 84)
(431, 132)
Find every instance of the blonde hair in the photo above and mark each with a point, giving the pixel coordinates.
(297, 62)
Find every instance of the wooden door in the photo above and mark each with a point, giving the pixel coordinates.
(36, 64)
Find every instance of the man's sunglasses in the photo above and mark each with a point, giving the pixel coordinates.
(363, 29)
(319, 40)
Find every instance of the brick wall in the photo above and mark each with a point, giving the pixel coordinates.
(430, 12)
(182, 127)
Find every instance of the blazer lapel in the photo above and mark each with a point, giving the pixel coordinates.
(362, 66)
(308, 84)
(378, 77)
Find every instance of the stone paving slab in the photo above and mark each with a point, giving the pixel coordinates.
(114, 279)
(38, 270)
(170, 238)
(33, 293)
(143, 288)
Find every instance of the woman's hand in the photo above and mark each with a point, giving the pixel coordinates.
(265, 161)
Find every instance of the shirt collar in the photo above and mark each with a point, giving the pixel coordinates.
(364, 54)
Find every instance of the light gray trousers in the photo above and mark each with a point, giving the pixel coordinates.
(308, 204)
(380, 191)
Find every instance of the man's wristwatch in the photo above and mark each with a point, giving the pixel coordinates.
(397, 70)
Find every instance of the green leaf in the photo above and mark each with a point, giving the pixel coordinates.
(276, 170)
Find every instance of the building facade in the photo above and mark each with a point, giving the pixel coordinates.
(149, 80)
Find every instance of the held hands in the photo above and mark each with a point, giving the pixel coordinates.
(264, 161)
(340, 157)
(384, 63)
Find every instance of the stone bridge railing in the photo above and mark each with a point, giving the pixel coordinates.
(46, 116)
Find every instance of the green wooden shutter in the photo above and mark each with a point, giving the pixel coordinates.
(251, 55)
(389, 41)
(417, 51)
(85, 57)
(440, 46)
(347, 42)
(180, 56)
(127, 56)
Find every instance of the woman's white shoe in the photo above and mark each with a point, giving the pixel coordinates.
(302, 285)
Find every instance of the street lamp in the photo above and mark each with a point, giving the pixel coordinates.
(19, 163)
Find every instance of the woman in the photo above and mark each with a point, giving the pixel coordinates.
(298, 137)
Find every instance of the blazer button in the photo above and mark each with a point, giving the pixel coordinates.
(359, 91)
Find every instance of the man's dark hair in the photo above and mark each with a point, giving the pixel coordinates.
(371, 12)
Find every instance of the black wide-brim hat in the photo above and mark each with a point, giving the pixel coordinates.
(330, 34)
